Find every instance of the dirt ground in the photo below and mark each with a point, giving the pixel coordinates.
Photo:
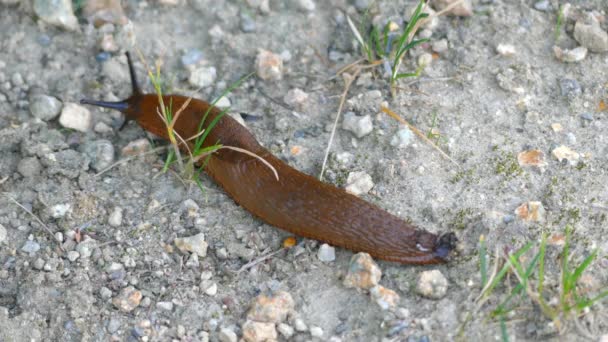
(492, 89)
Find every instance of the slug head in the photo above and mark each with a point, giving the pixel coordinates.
(129, 106)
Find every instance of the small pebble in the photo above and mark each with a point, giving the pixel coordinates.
(385, 298)
(191, 57)
(543, 5)
(363, 272)
(570, 87)
(100, 152)
(211, 290)
(556, 127)
(269, 66)
(587, 116)
(45, 107)
(128, 299)
(326, 253)
(194, 244)
(432, 284)
(591, 36)
(227, 335)
(299, 324)
(202, 77)
(29, 167)
(165, 306)
(30, 247)
(247, 23)
(285, 330)
(363, 5)
(296, 98)
(570, 56)
(506, 50)
(259, 331)
(306, 5)
(103, 56)
(73, 255)
(359, 182)
(271, 309)
(359, 125)
(105, 293)
(425, 60)
(58, 13)
(39, 264)
(402, 138)
(101, 12)
(440, 46)
(316, 332)
(534, 158)
(136, 147)
(3, 234)
(532, 211)
(465, 9)
(76, 117)
(115, 219)
(565, 153)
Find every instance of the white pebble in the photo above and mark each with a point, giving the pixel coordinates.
(285, 330)
(402, 138)
(570, 56)
(202, 77)
(326, 253)
(307, 5)
(359, 182)
(211, 290)
(506, 50)
(3, 233)
(316, 332)
(73, 255)
(76, 117)
(269, 66)
(115, 219)
(432, 284)
(359, 125)
(194, 244)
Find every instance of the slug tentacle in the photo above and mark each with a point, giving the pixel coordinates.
(297, 202)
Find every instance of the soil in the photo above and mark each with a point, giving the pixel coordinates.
(481, 107)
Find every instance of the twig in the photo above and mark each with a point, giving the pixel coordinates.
(44, 226)
(418, 133)
(124, 160)
(260, 259)
(242, 150)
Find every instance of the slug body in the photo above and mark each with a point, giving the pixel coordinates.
(296, 202)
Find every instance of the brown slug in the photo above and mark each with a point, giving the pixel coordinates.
(296, 202)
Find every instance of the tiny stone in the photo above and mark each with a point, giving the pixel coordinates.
(570, 87)
(3, 234)
(259, 331)
(316, 332)
(432, 284)
(136, 147)
(543, 5)
(359, 125)
(506, 50)
(108, 44)
(194, 244)
(100, 152)
(385, 298)
(59, 210)
(165, 306)
(39, 264)
(556, 127)
(59, 236)
(402, 138)
(269, 66)
(359, 182)
(211, 290)
(227, 335)
(128, 299)
(30, 247)
(58, 13)
(247, 23)
(191, 57)
(465, 9)
(271, 309)
(115, 219)
(591, 36)
(587, 116)
(362, 273)
(45, 107)
(75, 117)
(425, 60)
(565, 153)
(202, 77)
(326, 253)
(440, 46)
(102, 127)
(300, 325)
(307, 5)
(532, 211)
(570, 56)
(29, 167)
(224, 102)
(534, 158)
(285, 330)
(362, 5)
(73, 255)
(296, 98)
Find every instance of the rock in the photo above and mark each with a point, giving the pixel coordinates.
(299, 324)
(326, 253)
(306, 5)
(535, 158)
(73, 256)
(359, 125)
(542, 5)
(424, 60)
(570, 87)
(402, 138)
(191, 57)
(30, 247)
(202, 77)
(506, 50)
(136, 147)
(385, 298)
(432, 284)
(76, 117)
(363, 5)
(262, 5)
(269, 66)
(108, 43)
(247, 23)
(45, 107)
(100, 152)
(194, 244)
(532, 211)
(85, 248)
(271, 309)
(57, 12)
(565, 153)
(557, 127)
(570, 56)
(165, 306)
(29, 167)
(363, 273)
(440, 46)
(259, 331)
(105, 293)
(316, 332)
(464, 9)
(3, 234)
(285, 330)
(115, 218)
(227, 335)
(359, 182)
(59, 210)
(591, 36)
(128, 299)
(296, 98)
(100, 12)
